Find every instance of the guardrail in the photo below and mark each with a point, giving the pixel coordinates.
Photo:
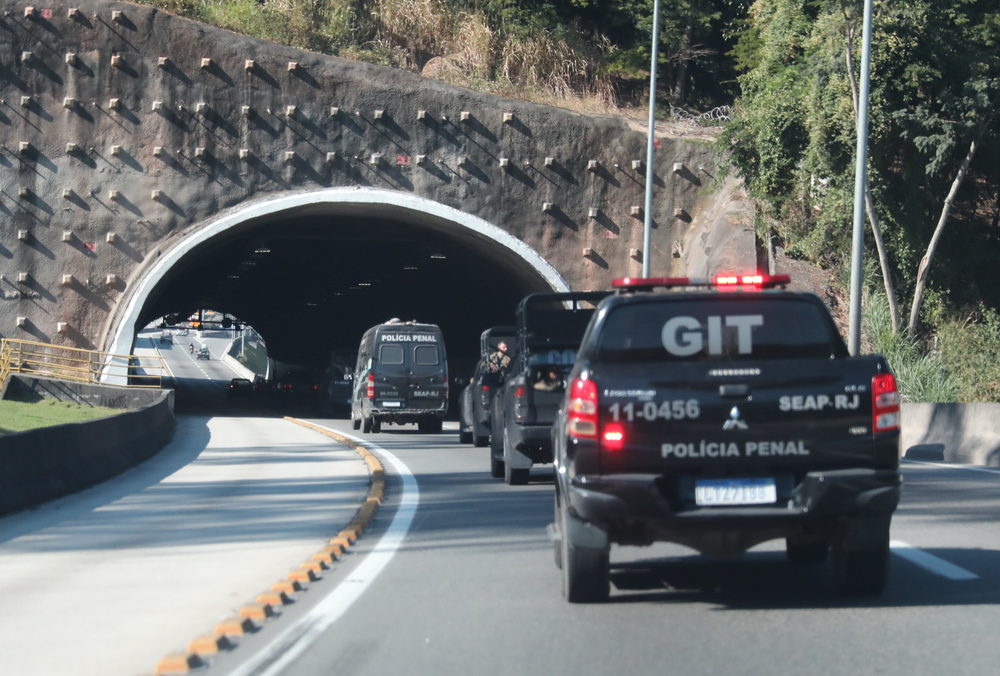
(78, 365)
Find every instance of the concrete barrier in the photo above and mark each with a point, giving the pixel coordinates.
(44, 464)
(963, 433)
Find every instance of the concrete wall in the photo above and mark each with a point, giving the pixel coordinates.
(962, 433)
(41, 465)
(123, 135)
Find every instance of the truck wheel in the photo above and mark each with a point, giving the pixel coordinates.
(368, 425)
(496, 453)
(586, 574)
(557, 524)
(860, 572)
(806, 551)
(496, 467)
(513, 476)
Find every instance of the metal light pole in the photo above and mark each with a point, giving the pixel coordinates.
(648, 209)
(860, 178)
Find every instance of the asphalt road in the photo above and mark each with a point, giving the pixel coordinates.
(472, 587)
(456, 574)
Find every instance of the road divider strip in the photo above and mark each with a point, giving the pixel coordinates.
(251, 616)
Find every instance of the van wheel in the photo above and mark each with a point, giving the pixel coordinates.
(480, 440)
(367, 425)
(356, 423)
(464, 437)
(376, 425)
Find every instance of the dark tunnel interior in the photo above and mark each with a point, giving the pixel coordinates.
(312, 283)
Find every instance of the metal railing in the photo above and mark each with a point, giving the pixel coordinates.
(79, 365)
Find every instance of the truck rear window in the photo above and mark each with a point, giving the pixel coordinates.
(727, 330)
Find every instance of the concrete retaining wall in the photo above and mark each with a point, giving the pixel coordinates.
(41, 465)
(963, 433)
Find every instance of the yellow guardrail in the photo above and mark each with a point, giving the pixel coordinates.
(79, 365)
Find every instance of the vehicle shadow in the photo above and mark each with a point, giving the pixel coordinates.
(767, 580)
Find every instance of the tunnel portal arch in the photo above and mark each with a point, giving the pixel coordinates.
(522, 260)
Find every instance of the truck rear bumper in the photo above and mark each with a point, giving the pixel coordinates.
(532, 442)
(634, 510)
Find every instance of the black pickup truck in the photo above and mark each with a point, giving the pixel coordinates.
(721, 420)
(549, 327)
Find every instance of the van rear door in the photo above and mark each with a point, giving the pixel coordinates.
(428, 376)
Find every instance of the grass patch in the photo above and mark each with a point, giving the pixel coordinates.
(18, 416)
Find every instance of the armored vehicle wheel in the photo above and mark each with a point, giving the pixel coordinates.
(806, 551)
(586, 573)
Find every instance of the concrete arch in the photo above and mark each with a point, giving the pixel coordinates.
(125, 326)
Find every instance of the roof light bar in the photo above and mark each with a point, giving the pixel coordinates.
(754, 281)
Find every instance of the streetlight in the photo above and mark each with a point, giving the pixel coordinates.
(648, 215)
(860, 178)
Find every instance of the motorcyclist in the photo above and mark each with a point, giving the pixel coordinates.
(191, 348)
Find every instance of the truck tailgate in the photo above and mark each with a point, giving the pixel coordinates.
(748, 418)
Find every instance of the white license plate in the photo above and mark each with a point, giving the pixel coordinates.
(726, 492)
(391, 404)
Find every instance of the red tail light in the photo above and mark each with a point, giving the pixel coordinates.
(885, 403)
(582, 409)
(613, 437)
(520, 405)
(371, 386)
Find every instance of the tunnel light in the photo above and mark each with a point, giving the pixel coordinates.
(410, 267)
(438, 256)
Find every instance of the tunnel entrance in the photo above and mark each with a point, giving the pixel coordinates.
(311, 272)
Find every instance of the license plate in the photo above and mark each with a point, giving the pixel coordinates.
(726, 492)
(391, 404)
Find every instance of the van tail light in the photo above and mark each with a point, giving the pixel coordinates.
(371, 385)
(582, 409)
(447, 392)
(885, 403)
(520, 403)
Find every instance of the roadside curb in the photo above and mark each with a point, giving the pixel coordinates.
(252, 616)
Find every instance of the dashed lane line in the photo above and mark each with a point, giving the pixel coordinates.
(929, 562)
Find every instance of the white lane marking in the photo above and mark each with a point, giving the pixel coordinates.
(297, 638)
(930, 562)
(970, 468)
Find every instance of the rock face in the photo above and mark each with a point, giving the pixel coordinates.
(126, 130)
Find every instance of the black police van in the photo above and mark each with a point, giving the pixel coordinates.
(401, 376)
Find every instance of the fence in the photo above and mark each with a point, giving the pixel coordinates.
(78, 365)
